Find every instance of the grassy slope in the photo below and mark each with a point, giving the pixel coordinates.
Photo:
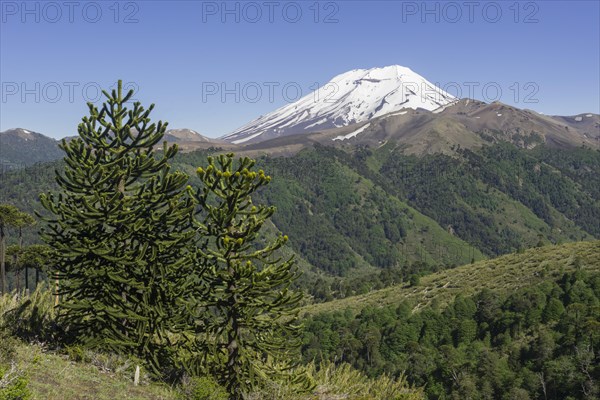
(55, 377)
(503, 273)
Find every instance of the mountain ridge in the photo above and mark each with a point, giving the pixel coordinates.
(465, 123)
(374, 107)
(21, 147)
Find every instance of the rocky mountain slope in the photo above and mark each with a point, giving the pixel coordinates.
(20, 147)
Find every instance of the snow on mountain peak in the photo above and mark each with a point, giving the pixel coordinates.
(184, 135)
(354, 96)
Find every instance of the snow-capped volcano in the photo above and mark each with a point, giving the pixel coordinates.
(351, 97)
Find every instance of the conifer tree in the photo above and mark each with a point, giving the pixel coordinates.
(251, 333)
(120, 227)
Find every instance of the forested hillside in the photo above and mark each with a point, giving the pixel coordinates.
(523, 326)
(503, 198)
(364, 219)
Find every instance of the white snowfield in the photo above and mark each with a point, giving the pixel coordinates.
(352, 97)
(351, 135)
(395, 114)
(444, 106)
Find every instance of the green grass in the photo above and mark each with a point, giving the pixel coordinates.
(504, 273)
(54, 377)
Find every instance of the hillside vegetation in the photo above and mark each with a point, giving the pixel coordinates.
(424, 329)
(361, 219)
(504, 274)
(523, 326)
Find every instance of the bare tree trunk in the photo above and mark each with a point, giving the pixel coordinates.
(17, 273)
(136, 376)
(543, 382)
(26, 281)
(2, 265)
(17, 261)
(56, 289)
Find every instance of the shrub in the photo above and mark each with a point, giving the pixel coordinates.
(343, 380)
(414, 280)
(7, 348)
(13, 383)
(77, 353)
(202, 388)
(30, 317)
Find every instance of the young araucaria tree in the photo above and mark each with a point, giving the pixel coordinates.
(120, 226)
(251, 333)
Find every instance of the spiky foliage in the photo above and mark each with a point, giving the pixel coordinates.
(30, 317)
(251, 332)
(120, 229)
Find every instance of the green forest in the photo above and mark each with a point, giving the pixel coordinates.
(535, 343)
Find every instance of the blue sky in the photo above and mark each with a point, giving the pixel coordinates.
(181, 55)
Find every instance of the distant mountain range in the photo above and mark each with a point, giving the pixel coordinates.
(365, 107)
(20, 147)
(185, 135)
(394, 103)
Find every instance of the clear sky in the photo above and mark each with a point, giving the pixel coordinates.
(213, 66)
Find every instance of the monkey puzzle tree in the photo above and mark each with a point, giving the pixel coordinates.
(250, 330)
(120, 228)
(36, 256)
